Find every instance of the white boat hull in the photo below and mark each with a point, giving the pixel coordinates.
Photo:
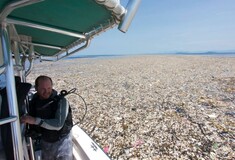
(84, 148)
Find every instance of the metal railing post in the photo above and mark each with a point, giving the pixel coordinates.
(11, 93)
(131, 10)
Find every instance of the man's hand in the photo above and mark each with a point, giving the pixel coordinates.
(28, 119)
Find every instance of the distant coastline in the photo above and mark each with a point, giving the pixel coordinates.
(97, 56)
(221, 54)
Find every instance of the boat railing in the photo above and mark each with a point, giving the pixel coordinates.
(11, 95)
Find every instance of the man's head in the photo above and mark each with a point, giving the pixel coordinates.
(43, 86)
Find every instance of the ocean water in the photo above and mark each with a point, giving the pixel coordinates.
(108, 56)
(102, 56)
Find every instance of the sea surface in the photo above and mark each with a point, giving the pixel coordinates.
(108, 56)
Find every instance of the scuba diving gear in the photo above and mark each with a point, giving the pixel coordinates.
(48, 110)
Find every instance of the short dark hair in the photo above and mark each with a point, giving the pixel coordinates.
(42, 77)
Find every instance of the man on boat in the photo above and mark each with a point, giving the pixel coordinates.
(53, 118)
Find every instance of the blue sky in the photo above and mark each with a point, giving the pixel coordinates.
(168, 26)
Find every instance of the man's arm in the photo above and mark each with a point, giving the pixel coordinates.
(60, 117)
(51, 124)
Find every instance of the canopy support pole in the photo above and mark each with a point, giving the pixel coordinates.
(11, 93)
(37, 26)
(131, 9)
(88, 41)
(30, 58)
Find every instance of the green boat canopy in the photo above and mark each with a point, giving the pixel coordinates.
(58, 28)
